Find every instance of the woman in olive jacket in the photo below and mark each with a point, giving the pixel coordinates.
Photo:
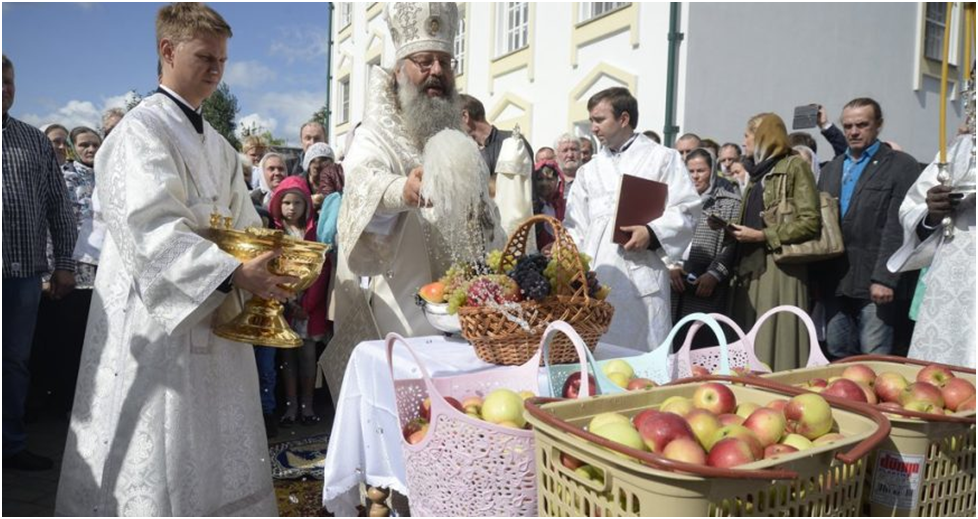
(761, 284)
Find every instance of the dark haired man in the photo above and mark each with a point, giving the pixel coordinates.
(488, 137)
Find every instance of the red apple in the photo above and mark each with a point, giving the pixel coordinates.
(777, 404)
(716, 398)
(956, 392)
(730, 452)
(889, 385)
(572, 386)
(935, 374)
(744, 409)
(699, 371)
(424, 408)
(570, 462)
(731, 419)
(418, 435)
(685, 449)
(643, 416)
(818, 382)
(743, 433)
(870, 394)
(704, 425)
(678, 405)
(967, 405)
(640, 383)
(778, 449)
(809, 415)
(767, 424)
(921, 406)
(662, 428)
(922, 392)
(847, 389)
(413, 426)
(860, 373)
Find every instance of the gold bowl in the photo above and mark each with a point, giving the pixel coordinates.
(262, 321)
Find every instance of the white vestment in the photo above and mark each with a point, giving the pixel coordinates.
(382, 239)
(945, 330)
(639, 280)
(166, 419)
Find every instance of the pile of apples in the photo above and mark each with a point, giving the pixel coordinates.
(618, 371)
(501, 406)
(935, 390)
(712, 429)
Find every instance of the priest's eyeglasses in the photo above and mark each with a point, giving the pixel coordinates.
(426, 61)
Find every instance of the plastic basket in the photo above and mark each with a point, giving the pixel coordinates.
(465, 466)
(826, 480)
(927, 466)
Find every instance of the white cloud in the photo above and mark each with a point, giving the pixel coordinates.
(256, 121)
(292, 108)
(247, 74)
(305, 43)
(79, 113)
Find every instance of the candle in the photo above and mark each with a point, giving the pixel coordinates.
(942, 130)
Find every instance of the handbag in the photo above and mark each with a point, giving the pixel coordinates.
(828, 244)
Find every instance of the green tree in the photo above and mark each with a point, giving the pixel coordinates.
(220, 110)
(321, 115)
(266, 135)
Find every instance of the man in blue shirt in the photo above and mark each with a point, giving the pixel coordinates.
(860, 296)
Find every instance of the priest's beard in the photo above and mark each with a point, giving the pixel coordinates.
(456, 182)
(425, 116)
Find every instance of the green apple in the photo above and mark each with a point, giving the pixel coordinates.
(618, 366)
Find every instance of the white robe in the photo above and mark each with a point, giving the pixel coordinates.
(382, 239)
(945, 330)
(166, 419)
(639, 280)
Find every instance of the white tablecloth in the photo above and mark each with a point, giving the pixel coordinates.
(365, 443)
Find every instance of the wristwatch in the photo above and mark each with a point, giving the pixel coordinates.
(227, 285)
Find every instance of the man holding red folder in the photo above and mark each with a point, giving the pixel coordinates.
(633, 266)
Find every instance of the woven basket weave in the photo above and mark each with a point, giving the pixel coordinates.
(499, 340)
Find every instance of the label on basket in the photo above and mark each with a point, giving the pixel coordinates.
(896, 479)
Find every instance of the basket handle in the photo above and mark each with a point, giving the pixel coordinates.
(859, 451)
(583, 354)
(563, 250)
(651, 459)
(687, 346)
(902, 360)
(815, 356)
(711, 321)
(433, 393)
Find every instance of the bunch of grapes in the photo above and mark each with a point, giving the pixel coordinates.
(456, 276)
(457, 298)
(494, 261)
(529, 275)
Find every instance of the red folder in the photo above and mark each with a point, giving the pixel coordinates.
(639, 202)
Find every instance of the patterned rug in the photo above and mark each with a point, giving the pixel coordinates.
(297, 471)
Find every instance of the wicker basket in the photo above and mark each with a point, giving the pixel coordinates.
(497, 339)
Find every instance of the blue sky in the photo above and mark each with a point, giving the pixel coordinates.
(74, 60)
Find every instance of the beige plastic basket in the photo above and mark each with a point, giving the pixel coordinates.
(824, 481)
(926, 467)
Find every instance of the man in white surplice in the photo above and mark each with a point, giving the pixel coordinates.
(166, 419)
(636, 273)
(945, 330)
(386, 250)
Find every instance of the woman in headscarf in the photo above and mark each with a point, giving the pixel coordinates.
(699, 281)
(314, 162)
(761, 284)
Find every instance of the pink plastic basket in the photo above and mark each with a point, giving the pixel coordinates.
(741, 353)
(465, 466)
